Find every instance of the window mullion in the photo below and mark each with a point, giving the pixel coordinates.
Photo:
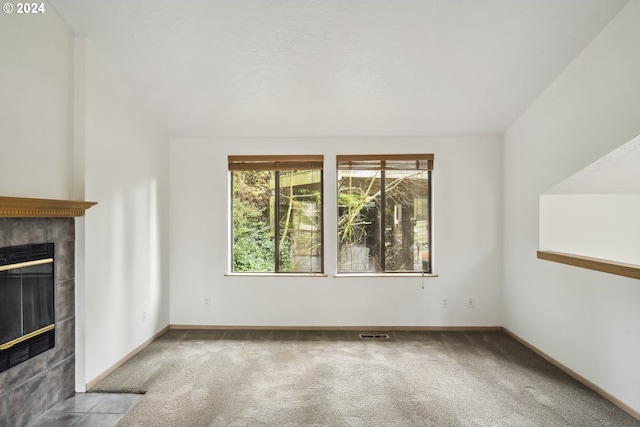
(429, 229)
(383, 204)
(321, 221)
(277, 223)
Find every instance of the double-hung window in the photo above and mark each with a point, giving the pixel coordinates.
(277, 223)
(384, 213)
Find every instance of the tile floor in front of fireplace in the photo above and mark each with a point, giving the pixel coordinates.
(89, 410)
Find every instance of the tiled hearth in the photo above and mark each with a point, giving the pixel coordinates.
(31, 388)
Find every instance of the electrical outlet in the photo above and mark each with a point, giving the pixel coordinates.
(144, 315)
(207, 301)
(471, 303)
(445, 303)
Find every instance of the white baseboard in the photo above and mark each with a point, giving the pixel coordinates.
(629, 410)
(346, 328)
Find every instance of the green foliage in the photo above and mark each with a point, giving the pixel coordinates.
(253, 241)
(254, 216)
(285, 254)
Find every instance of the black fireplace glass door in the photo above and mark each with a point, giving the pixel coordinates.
(10, 305)
(26, 300)
(37, 297)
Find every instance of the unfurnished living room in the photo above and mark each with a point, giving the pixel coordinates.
(320, 213)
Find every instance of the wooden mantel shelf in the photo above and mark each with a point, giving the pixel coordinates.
(606, 266)
(23, 207)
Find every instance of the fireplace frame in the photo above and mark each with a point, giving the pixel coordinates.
(38, 338)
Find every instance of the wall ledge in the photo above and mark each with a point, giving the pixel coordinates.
(21, 207)
(598, 264)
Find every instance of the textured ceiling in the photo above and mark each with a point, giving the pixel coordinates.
(338, 67)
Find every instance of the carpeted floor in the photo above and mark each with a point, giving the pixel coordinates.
(198, 378)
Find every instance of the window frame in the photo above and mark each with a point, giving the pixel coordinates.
(276, 164)
(382, 163)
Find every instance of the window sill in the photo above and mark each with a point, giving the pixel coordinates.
(275, 274)
(428, 275)
(337, 275)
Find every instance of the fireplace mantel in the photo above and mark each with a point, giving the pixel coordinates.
(16, 207)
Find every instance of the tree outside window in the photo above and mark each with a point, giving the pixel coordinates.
(384, 213)
(276, 214)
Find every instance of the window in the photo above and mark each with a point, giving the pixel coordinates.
(276, 214)
(384, 213)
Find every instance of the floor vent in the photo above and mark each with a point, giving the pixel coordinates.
(374, 336)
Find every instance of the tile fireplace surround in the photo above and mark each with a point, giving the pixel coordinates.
(31, 388)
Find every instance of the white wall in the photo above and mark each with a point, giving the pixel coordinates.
(126, 287)
(594, 212)
(587, 320)
(602, 226)
(615, 173)
(46, 140)
(36, 54)
(467, 241)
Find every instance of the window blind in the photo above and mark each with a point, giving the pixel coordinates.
(275, 162)
(385, 162)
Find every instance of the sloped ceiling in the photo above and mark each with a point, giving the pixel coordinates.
(338, 67)
(616, 173)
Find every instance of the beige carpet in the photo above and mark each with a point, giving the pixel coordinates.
(334, 378)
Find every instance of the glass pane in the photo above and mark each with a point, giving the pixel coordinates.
(37, 297)
(10, 305)
(406, 221)
(358, 220)
(300, 224)
(253, 230)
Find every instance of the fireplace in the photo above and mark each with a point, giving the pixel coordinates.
(31, 387)
(27, 319)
